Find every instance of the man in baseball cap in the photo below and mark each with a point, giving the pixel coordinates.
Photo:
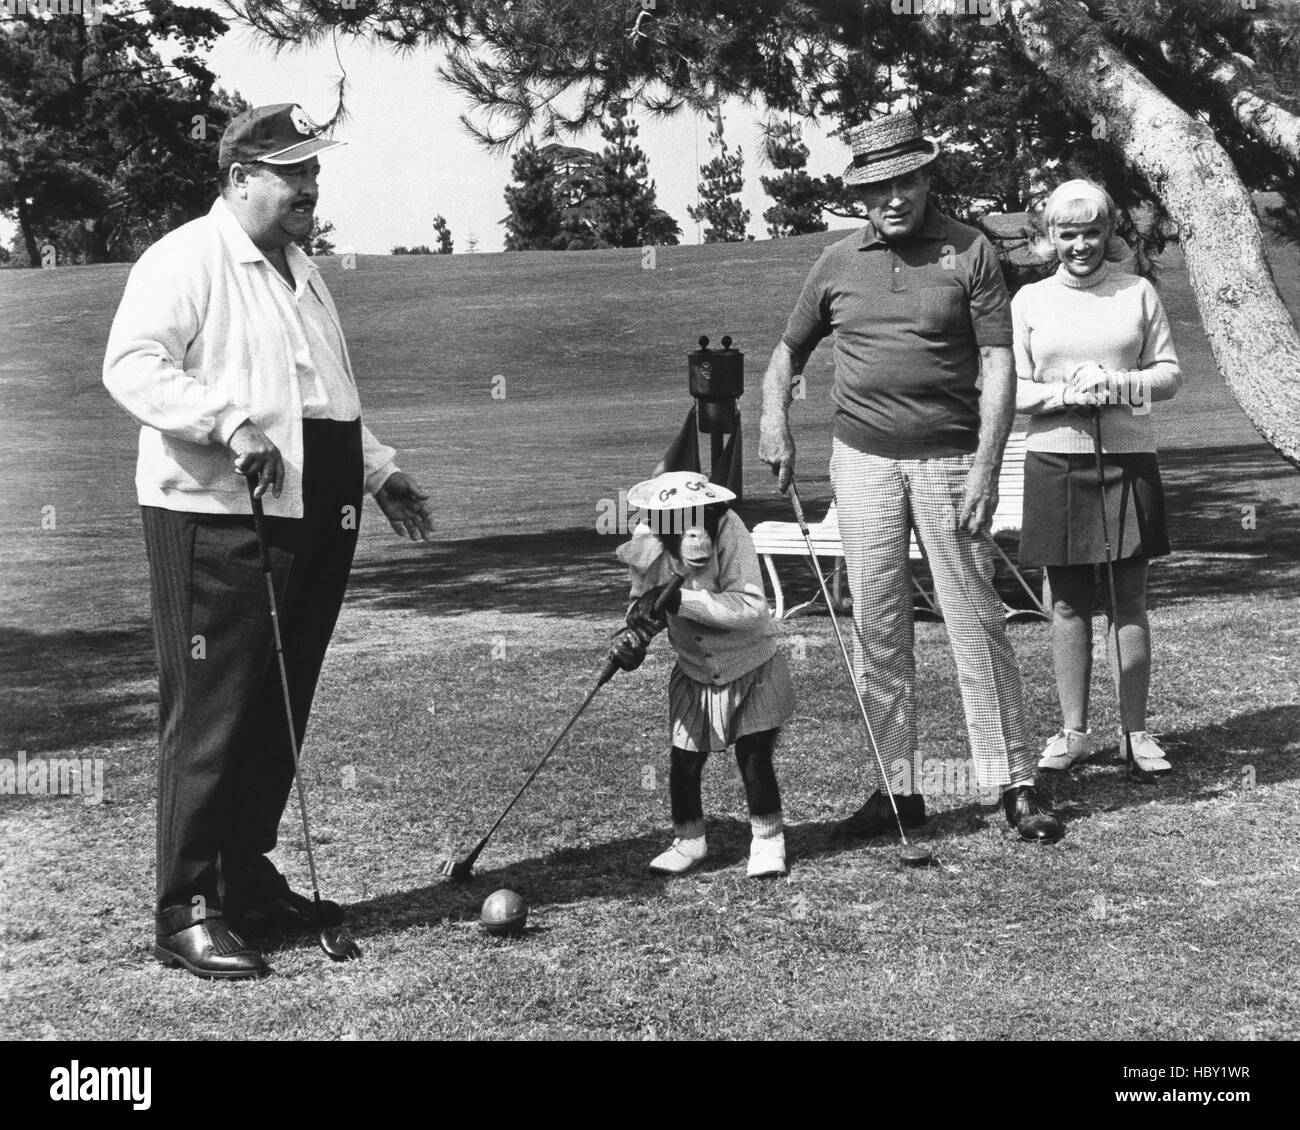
(918, 312)
(227, 349)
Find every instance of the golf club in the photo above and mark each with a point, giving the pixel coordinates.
(1143, 776)
(462, 870)
(333, 940)
(913, 855)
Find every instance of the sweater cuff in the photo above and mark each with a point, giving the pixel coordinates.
(376, 480)
(1137, 391)
(229, 421)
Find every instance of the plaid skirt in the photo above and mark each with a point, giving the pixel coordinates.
(705, 718)
(1063, 511)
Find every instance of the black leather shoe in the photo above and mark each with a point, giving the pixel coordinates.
(210, 949)
(876, 816)
(1034, 823)
(284, 910)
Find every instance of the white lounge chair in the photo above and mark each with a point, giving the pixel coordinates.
(783, 539)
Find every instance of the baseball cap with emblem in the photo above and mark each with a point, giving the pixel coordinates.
(888, 147)
(277, 135)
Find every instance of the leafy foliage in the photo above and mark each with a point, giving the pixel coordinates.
(565, 198)
(551, 68)
(798, 207)
(443, 232)
(316, 242)
(104, 147)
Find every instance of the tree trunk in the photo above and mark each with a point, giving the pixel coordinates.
(29, 235)
(1254, 340)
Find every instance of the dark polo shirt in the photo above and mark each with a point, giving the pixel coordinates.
(908, 321)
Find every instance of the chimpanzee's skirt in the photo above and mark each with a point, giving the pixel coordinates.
(704, 718)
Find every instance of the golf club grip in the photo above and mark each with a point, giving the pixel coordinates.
(670, 588)
(798, 508)
(259, 522)
(611, 668)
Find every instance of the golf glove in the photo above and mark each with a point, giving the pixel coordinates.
(642, 614)
(629, 647)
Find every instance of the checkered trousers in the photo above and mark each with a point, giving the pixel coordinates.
(878, 499)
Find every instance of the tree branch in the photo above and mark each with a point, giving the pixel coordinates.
(1254, 340)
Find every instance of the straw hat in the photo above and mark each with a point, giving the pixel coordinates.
(888, 147)
(677, 490)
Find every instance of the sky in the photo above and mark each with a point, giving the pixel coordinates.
(408, 159)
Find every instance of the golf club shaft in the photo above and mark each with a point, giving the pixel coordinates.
(259, 524)
(1110, 581)
(537, 769)
(844, 651)
(606, 674)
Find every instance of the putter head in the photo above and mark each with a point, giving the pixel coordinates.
(334, 940)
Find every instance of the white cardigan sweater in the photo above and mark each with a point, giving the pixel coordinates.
(204, 339)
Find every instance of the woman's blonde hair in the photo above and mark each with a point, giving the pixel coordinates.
(1079, 201)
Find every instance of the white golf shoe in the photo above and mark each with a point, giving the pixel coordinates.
(1066, 749)
(766, 856)
(681, 857)
(1147, 754)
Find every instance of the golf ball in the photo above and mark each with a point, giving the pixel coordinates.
(504, 913)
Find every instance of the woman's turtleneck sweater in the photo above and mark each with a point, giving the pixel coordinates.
(1106, 318)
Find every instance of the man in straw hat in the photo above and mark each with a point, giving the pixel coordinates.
(918, 312)
(228, 350)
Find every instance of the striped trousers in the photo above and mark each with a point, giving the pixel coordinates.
(224, 763)
(878, 501)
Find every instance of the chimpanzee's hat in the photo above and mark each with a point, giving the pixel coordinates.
(888, 147)
(277, 135)
(677, 490)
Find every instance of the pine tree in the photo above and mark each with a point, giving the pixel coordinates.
(570, 199)
(720, 207)
(443, 233)
(798, 207)
(104, 147)
(619, 208)
(534, 220)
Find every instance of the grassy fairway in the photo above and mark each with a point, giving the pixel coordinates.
(1165, 913)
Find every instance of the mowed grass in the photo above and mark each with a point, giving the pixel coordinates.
(1164, 913)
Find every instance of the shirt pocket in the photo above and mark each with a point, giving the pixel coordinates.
(942, 311)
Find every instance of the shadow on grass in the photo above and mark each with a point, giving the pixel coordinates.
(1208, 491)
(569, 572)
(1230, 758)
(71, 688)
(1246, 751)
(572, 572)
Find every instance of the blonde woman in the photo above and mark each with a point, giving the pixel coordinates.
(1093, 342)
